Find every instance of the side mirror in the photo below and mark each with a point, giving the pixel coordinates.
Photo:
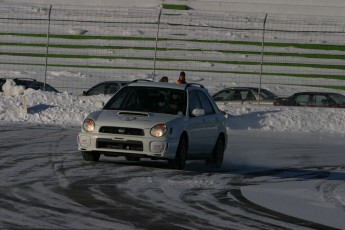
(198, 112)
(99, 104)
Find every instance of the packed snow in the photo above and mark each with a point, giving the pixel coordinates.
(39, 107)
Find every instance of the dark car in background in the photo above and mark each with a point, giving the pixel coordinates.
(106, 88)
(29, 83)
(312, 99)
(244, 95)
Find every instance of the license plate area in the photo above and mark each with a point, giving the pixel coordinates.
(129, 145)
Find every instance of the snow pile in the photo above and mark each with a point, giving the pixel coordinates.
(11, 89)
(67, 109)
(291, 119)
(46, 107)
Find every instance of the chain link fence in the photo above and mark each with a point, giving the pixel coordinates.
(73, 48)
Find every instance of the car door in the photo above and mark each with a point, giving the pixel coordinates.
(202, 130)
(210, 121)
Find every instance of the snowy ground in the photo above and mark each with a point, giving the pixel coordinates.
(296, 154)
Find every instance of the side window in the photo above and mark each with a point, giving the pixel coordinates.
(243, 94)
(34, 85)
(194, 102)
(319, 100)
(223, 95)
(98, 89)
(302, 100)
(237, 95)
(205, 103)
(263, 95)
(112, 89)
(337, 99)
(247, 95)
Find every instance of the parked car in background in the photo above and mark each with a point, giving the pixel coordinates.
(106, 88)
(29, 83)
(312, 99)
(156, 120)
(244, 95)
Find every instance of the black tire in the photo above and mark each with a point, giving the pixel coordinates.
(132, 158)
(180, 158)
(218, 152)
(90, 156)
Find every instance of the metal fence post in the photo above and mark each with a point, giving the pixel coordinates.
(154, 61)
(262, 53)
(47, 48)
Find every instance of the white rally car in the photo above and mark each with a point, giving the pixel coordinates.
(157, 120)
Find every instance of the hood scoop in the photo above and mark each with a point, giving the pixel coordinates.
(144, 114)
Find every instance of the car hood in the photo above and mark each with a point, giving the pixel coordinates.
(130, 119)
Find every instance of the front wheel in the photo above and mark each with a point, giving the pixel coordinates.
(181, 153)
(90, 156)
(218, 152)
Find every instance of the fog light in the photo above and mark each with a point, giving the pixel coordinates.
(84, 141)
(157, 147)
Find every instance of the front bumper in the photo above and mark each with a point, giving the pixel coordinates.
(120, 145)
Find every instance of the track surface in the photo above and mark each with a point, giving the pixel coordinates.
(45, 184)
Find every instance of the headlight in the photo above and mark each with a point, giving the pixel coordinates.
(159, 130)
(88, 125)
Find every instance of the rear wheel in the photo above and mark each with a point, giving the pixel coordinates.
(91, 156)
(181, 153)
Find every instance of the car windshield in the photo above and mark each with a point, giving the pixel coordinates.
(149, 99)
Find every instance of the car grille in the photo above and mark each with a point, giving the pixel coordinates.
(118, 144)
(121, 130)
